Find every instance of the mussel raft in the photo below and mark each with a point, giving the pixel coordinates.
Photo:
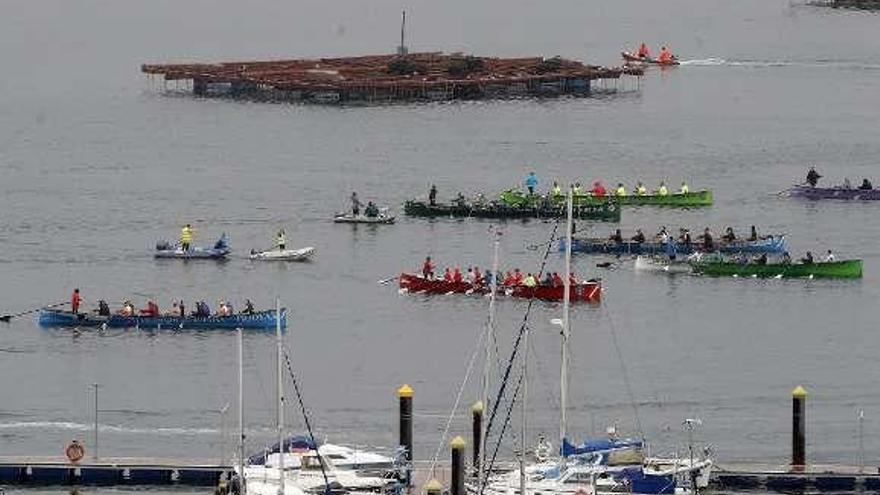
(607, 212)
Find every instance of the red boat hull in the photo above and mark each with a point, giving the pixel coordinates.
(583, 292)
(629, 57)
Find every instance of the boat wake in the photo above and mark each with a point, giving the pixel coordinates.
(831, 64)
(72, 426)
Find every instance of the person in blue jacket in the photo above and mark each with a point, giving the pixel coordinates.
(531, 182)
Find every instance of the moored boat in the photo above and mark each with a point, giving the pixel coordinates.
(847, 193)
(220, 249)
(515, 197)
(260, 320)
(831, 269)
(301, 254)
(774, 244)
(589, 291)
(602, 212)
(662, 264)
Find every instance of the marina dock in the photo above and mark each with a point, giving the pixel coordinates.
(389, 78)
(37, 470)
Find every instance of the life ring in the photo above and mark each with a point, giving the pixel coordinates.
(612, 207)
(75, 451)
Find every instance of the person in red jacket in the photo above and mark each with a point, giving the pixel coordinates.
(557, 280)
(75, 301)
(643, 51)
(508, 279)
(447, 275)
(517, 277)
(598, 190)
(427, 267)
(456, 276)
(478, 276)
(665, 56)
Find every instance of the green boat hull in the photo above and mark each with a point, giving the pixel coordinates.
(836, 269)
(513, 197)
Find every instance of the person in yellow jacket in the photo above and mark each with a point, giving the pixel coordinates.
(684, 188)
(641, 190)
(662, 191)
(186, 237)
(530, 281)
(576, 190)
(557, 191)
(621, 191)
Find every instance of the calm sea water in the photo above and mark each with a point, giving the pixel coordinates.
(98, 164)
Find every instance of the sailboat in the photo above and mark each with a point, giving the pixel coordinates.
(599, 466)
(305, 471)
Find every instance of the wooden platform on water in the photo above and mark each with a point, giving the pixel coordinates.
(782, 478)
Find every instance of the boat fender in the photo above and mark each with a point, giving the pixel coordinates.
(612, 207)
(75, 451)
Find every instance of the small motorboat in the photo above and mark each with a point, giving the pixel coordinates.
(662, 264)
(164, 249)
(382, 218)
(635, 59)
(301, 254)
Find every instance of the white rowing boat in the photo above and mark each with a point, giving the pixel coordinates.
(301, 254)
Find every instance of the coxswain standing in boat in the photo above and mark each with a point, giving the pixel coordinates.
(754, 235)
(355, 204)
(432, 195)
(186, 237)
(813, 177)
(531, 183)
(75, 301)
(427, 268)
(281, 240)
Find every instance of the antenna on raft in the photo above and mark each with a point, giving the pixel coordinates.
(401, 50)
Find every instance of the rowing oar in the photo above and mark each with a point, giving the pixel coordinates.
(16, 315)
(383, 282)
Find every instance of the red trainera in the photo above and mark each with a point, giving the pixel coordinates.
(582, 292)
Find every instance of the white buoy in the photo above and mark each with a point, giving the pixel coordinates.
(811, 276)
(777, 277)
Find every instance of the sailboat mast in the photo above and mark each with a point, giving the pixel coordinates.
(523, 403)
(566, 301)
(487, 365)
(242, 484)
(280, 396)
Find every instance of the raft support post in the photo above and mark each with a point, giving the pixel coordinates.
(798, 428)
(477, 432)
(405, 400)
(458, 446)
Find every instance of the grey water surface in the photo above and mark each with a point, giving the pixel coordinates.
(98, 163)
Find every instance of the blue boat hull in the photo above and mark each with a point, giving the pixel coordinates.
(772, 245)
(263, 320)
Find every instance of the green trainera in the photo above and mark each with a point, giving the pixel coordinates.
(832, 269)
(515, 197)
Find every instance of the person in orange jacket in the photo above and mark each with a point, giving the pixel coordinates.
(665, 55)
(643, 51)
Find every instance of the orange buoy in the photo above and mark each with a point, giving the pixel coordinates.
(75, 451)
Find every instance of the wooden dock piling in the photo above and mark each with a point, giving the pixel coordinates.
(798, 428)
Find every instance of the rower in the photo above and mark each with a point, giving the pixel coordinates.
(127, 308)
(529, 281)
(662, 191)
(471, 277)
(684, 188)
(355, 204)
(685, 237)
(598, 189)
(75, 301)
(548, 280)
(754, 235)
(456, 275)
(829, 258)
(662, 235)
(762, 260)
(371, 211)
(621, 191)
(103, 308)
(866, 185)
(665, 56)
(182, 308)
(708, 242)
(478, 277)
(557, 280)
(152, 309)
(531, 182)
(639, 237)
(813, 177)
(488, 277)
(641, 190)
(281, 240)
(556, 191)
(643, 51)
(517, 277)
(186, 237)
(808, 259)
(432, 195)
(447, 275)
(427, 267)
(576, 190)
(617, 237)
(508, 279)
(729, 236)
(248, 307)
